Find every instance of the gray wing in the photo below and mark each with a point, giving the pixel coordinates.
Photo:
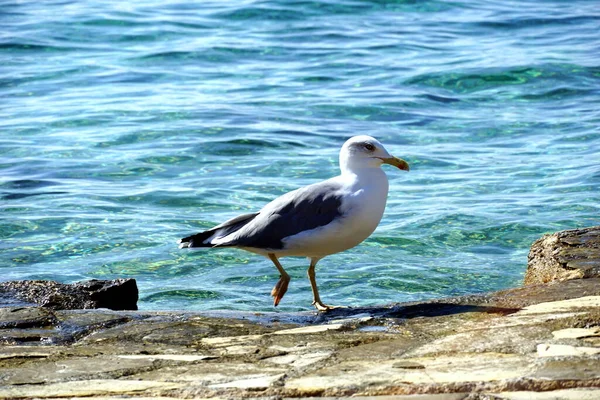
(301, 210)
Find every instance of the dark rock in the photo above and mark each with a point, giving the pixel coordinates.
(564, 255)
(118, 294)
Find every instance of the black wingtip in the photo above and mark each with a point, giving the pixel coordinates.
(185, 242)
(196, 240)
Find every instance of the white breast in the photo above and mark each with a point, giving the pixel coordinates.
(363, 204)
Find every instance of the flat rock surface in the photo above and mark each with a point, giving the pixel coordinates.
(535, 342)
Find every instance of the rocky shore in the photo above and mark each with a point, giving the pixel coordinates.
(539, 341)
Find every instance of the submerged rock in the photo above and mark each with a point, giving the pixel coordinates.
(118, 294)
(564, 255)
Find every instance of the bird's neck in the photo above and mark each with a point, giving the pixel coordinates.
(366, 176)
(359, 167)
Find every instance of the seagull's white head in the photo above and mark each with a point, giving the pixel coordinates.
(364, 151)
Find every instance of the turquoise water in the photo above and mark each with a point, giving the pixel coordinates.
(124, 127)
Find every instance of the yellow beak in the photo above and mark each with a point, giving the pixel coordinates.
(396, 162)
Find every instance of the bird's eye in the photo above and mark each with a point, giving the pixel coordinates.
(369, 147)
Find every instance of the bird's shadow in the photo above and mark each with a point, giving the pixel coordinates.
(439, 308)
(410, 310)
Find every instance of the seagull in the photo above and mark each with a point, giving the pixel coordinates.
(316, 220)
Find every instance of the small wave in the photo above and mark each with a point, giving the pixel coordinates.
(11, 46)
(238, 147)
(318, 79)
(483, 79)
(110, 22)
(262, 13)
(18, 196)
(440, 99)
(28, 184)
(556, 94)
(217, 54)
(182, 295)
(520, 23)
(23, 188)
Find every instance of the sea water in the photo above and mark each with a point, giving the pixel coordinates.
(127, 125)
